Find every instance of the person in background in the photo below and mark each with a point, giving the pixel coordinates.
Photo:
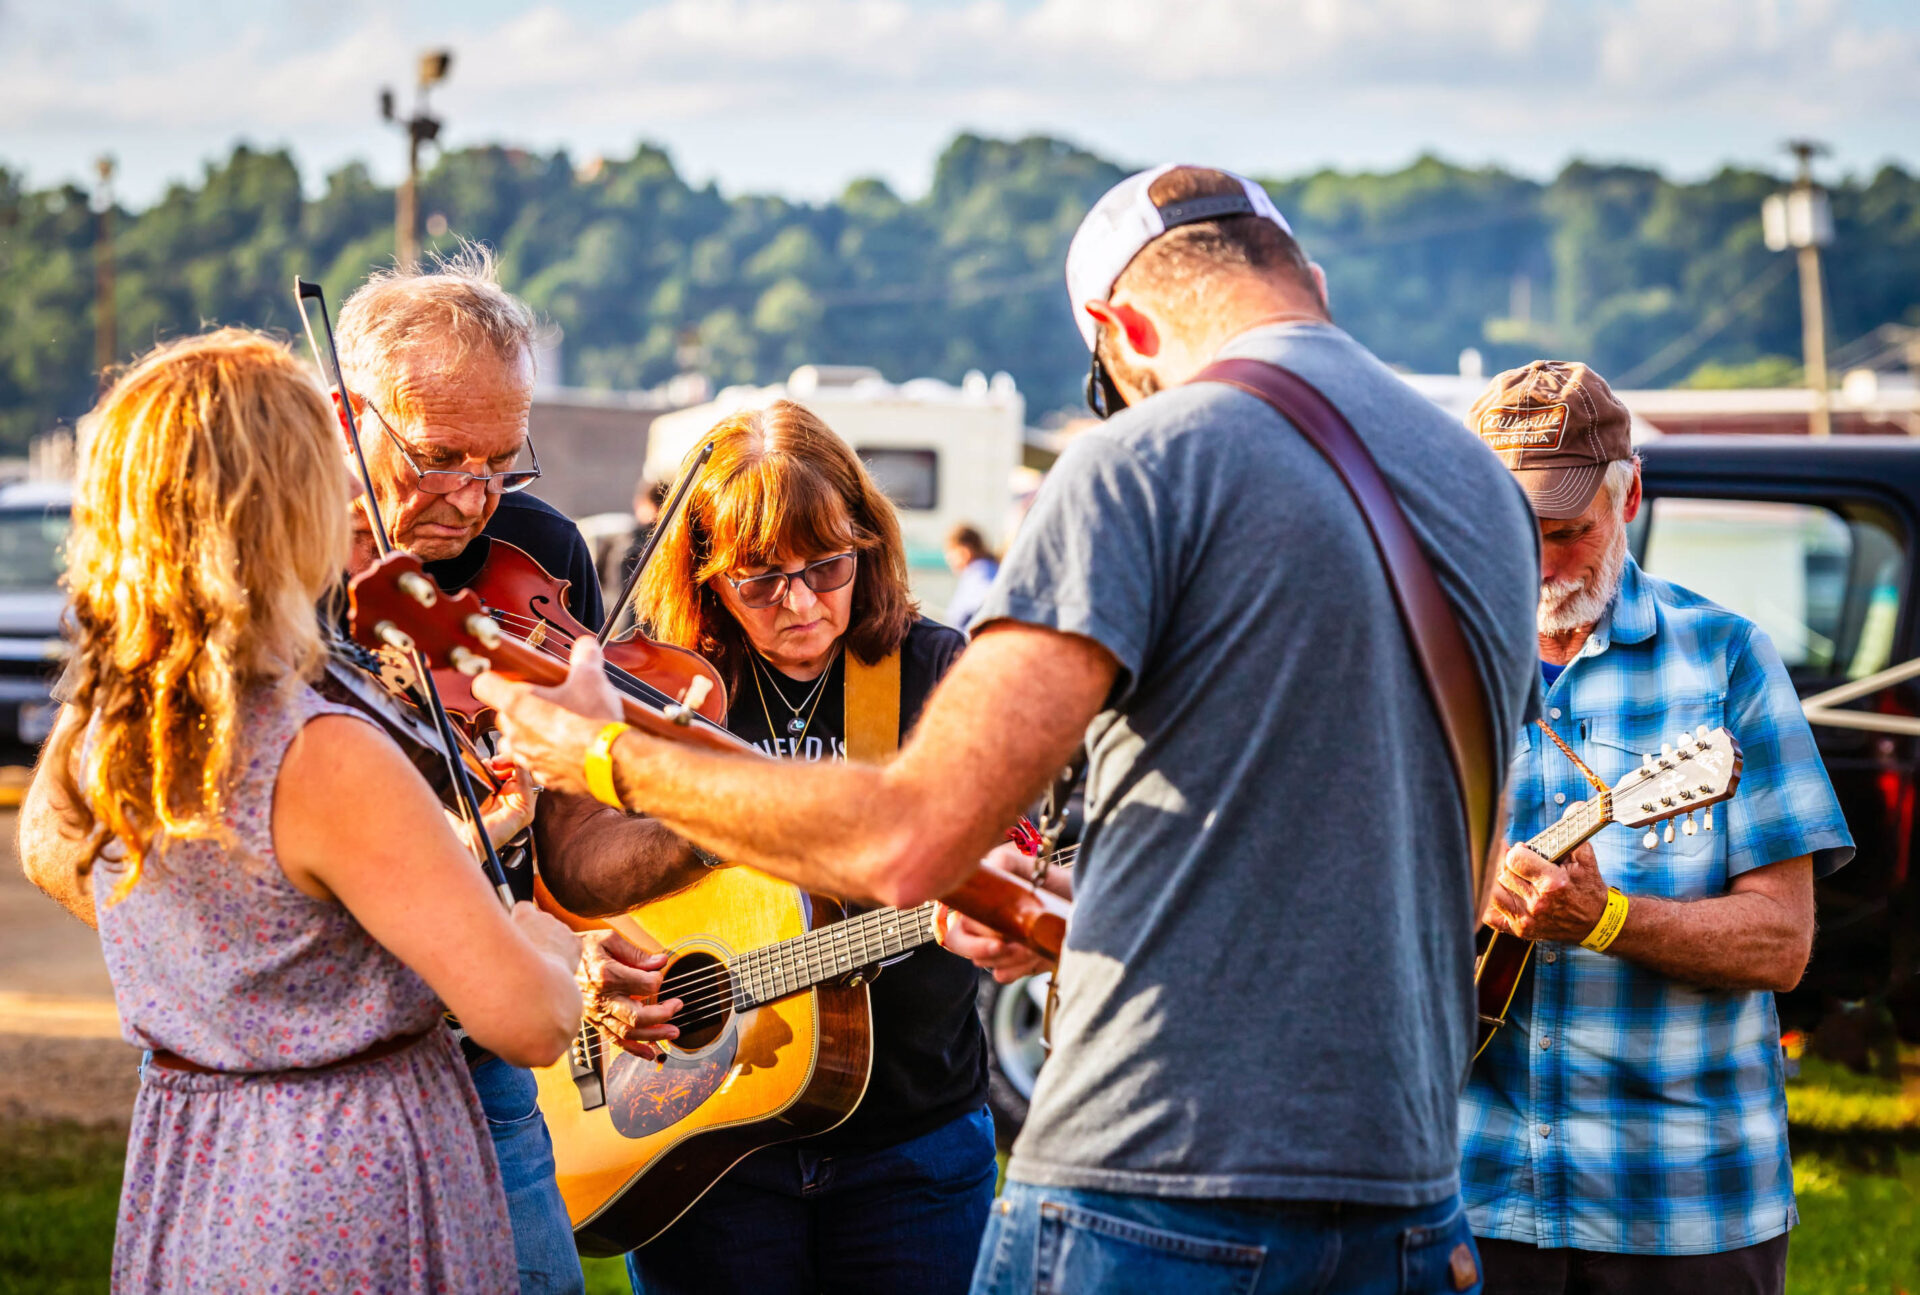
(304, 1115)
(1626, 1132)
(617, 559)
(975, 567)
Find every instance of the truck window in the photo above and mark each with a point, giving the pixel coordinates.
(1824, 582)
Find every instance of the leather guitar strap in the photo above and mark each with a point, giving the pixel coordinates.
(1432, 625)
(873, 707)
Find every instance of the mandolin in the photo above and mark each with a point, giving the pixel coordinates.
(1696, 775)
(775, 1029)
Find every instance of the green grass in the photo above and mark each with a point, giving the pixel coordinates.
(59, 1193)
(1859, 1201)
(1829, 1098)
(1859, 1231)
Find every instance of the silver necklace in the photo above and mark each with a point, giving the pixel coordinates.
(798, 724)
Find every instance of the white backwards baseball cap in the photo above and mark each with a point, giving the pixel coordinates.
(1126, 220)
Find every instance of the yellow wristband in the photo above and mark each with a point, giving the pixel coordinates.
(1608, 928)
(597, 765)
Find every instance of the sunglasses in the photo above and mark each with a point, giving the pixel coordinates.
(823, 577)
(445, 481)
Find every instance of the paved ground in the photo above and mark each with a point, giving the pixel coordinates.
(61, 1056)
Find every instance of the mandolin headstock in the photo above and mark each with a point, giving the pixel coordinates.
(1698, 771)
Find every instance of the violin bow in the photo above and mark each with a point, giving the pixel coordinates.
(660, 524)
(382, 540)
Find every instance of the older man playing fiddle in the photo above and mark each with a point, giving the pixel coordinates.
(1627, 1130)
(440, 366)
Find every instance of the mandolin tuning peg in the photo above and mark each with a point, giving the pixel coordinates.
(1709, 818)
(1700, 734)
(1689, 827)
(1669, 833)
(1651, 839)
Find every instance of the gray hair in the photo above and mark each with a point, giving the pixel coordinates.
(1619, 480)
(451, 310)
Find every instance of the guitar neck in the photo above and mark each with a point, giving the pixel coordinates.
(1580, 823)
(836, 950)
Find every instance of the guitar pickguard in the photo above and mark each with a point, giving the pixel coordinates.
(645, 1097)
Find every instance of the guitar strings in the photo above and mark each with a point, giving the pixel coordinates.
(694, 995)
(832, 938)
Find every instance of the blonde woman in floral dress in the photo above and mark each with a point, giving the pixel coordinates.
(283, 905)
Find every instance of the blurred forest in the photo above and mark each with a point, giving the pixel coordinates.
(1650, 280)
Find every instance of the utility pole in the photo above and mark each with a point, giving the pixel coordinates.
(421, 128)
(1801, 218)
(106, 339)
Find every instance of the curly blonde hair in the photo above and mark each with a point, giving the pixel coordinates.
(210, 518)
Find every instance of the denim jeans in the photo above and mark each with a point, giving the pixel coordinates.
(790, 1222)
(542, 1235)
(1058, 1241)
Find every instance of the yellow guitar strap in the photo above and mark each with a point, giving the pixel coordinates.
(873, 707)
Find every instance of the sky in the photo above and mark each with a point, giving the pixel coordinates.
(798, 97)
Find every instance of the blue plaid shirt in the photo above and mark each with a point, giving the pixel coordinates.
(1620, 1110)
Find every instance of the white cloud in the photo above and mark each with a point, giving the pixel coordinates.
(1276, 82)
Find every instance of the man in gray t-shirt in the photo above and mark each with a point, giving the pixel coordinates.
(1267, 986)
(1265, 1006)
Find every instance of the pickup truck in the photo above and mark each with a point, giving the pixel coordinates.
(1814, 540)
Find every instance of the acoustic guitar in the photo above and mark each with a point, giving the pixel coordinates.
(1684, 780)
(775, 1028)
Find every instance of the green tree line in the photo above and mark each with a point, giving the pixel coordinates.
(1647, 278)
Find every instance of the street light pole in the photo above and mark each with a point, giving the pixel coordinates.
(1802, 219)
(106, 338)
(421, 128)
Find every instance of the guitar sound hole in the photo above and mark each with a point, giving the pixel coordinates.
(704, 987)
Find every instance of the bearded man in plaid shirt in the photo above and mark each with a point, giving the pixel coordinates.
(1627, 1130)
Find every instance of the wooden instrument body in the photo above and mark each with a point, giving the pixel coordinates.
(669, 1129)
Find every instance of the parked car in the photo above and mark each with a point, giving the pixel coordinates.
(34, 519)
(1814, 540)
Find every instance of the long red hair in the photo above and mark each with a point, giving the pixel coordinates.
(780, 486)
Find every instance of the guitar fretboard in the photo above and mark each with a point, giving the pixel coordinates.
(1580, 822)
(835, 950)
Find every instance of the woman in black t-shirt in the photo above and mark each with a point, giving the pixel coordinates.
(786, 559)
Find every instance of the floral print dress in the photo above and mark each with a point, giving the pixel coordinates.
(285, 1172)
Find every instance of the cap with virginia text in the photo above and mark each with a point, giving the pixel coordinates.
(1557, 425)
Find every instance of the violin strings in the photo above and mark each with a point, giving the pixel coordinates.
(523, 627)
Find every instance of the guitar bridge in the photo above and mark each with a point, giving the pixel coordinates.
(583, 1064)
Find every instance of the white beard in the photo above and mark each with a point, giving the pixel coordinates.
(1567, 605)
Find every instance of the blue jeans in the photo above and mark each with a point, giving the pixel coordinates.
(1065, 1242)
(790, 1222)
(542, 1234)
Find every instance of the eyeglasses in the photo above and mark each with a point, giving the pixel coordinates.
(445, 481)
(823, 577)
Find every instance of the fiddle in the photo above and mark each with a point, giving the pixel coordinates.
(396, 605)
(529, 604)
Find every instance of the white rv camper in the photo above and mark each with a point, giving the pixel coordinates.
(944, 454)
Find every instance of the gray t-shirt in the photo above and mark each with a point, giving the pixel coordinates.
(1267, 986)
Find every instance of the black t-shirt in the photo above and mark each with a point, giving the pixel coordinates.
(929, 1052)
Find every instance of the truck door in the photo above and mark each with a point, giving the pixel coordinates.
(1827, 576)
